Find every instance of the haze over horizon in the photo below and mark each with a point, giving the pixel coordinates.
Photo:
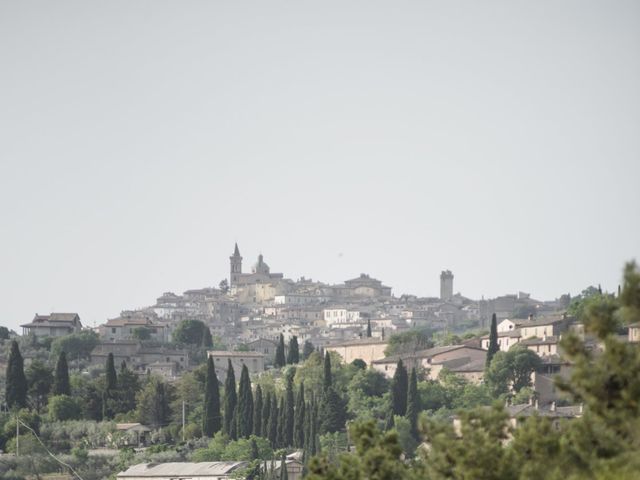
(139, 141)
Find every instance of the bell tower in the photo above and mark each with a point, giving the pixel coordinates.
(235, 261)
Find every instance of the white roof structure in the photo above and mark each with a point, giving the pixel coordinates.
(179, 470)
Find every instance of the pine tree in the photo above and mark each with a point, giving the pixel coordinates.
(257, 413)
(245, 405)
(266, 415)
(493, 340)
(16, 381)
(299, 421)
(289, 418)
(368, 328)
(327, 372)
(61, 378)
(399, 390)
(273, 422)
(280, 360)
(211, 416)
(413, 403)
(230, 398)
(293, 356)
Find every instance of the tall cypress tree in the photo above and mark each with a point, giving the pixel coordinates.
(282, 433)
(307, 424)
(245, 405)
(493, 340)
(299, 421)
(207, 339)
(293, 356)
(327, 371)
(61, 377)
(257, 413)
(368, 328)
(233, 424)
(266, 415)
(289, 417)
(280, 360)
(212, 421)
(112, 378)
(399, 390)
(230, 398)
(273, 422)
(413, 403)
(313, 430)
(16, 381)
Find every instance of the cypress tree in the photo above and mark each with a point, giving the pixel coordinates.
(211, 418)
(273, 422)
(368, 328)
(289, 418)
(207, 339)
(493, 340)
(293, 356)
(307, 424)
(334, 412)
(112, 378)
(230, 398)
(313, 430)
(282, 414)
(257, 413)
(327, 371)
(16, 381)
(307, 349)
(245, 405)
(266, 415)
(413, 403)
(399, 390)
(280, 360)
(299, 421)
(61, 377)
(233, 425)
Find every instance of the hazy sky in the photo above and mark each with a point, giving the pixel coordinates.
(140, 139)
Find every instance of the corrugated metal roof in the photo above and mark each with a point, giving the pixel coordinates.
(181, 469)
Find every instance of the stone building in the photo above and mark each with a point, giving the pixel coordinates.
(53, 325)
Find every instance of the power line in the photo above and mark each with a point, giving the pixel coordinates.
(48, 451)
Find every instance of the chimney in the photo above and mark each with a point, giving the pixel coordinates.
(531, 317)
(553, 406)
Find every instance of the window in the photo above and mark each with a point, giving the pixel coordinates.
(113, 329)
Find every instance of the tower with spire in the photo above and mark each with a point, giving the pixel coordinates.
(235, 261)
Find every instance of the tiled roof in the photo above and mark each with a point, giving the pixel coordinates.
(181, 469)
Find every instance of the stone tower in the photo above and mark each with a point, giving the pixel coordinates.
(446, 285)
(236, 266)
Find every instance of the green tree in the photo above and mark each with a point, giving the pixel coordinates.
(230, 398)
(61, 380)
(409, 341)
(245, 405)
(399, 389)
(327, 378)
(4, 333)
(280, 360)
(307, 349)
(154, 402)
(293, 356)
(212, 420)
(511, 370)
(283, 468)
(272, 429)
(413, 404)
(76, 346)
(368, 328)
(142, 333)
(281, 439)
(207, 339)
(64, 407)
(289, 418)
(493, 340)
(39, 381)
(257, 412)
(299, 421)
(266, 415)
(111, 376)
(16, 381)
(190, 332)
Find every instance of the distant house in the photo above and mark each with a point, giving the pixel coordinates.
(265, 346)
(183, 471)
(163, 361)
(53, 325)
(506, 339)
(253, 360)
(634, 332)
(367, 349)
(126, 325)
(518, 413)
(135, 434)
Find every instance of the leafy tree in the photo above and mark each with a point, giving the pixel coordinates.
(413, 404)
(293, 356)
(142, 333)
(511, 370)
(307, 349)
(493, 340)
(4, 333)
(124, 400)
(230, 398)
(257, 412)
(359, 364)
(64, 407)
(409, 341)
(191, 332)
(39, 381)
(16, 382)
(399, 389)
(224, 286)
(245, 405)
(61, 380)
(212, 420)
(154, 403)
(280, 360)
(76, 346)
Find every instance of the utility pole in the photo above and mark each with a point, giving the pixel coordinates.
(182, 421)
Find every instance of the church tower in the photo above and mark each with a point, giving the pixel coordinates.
(236, 266)
(446, 285)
